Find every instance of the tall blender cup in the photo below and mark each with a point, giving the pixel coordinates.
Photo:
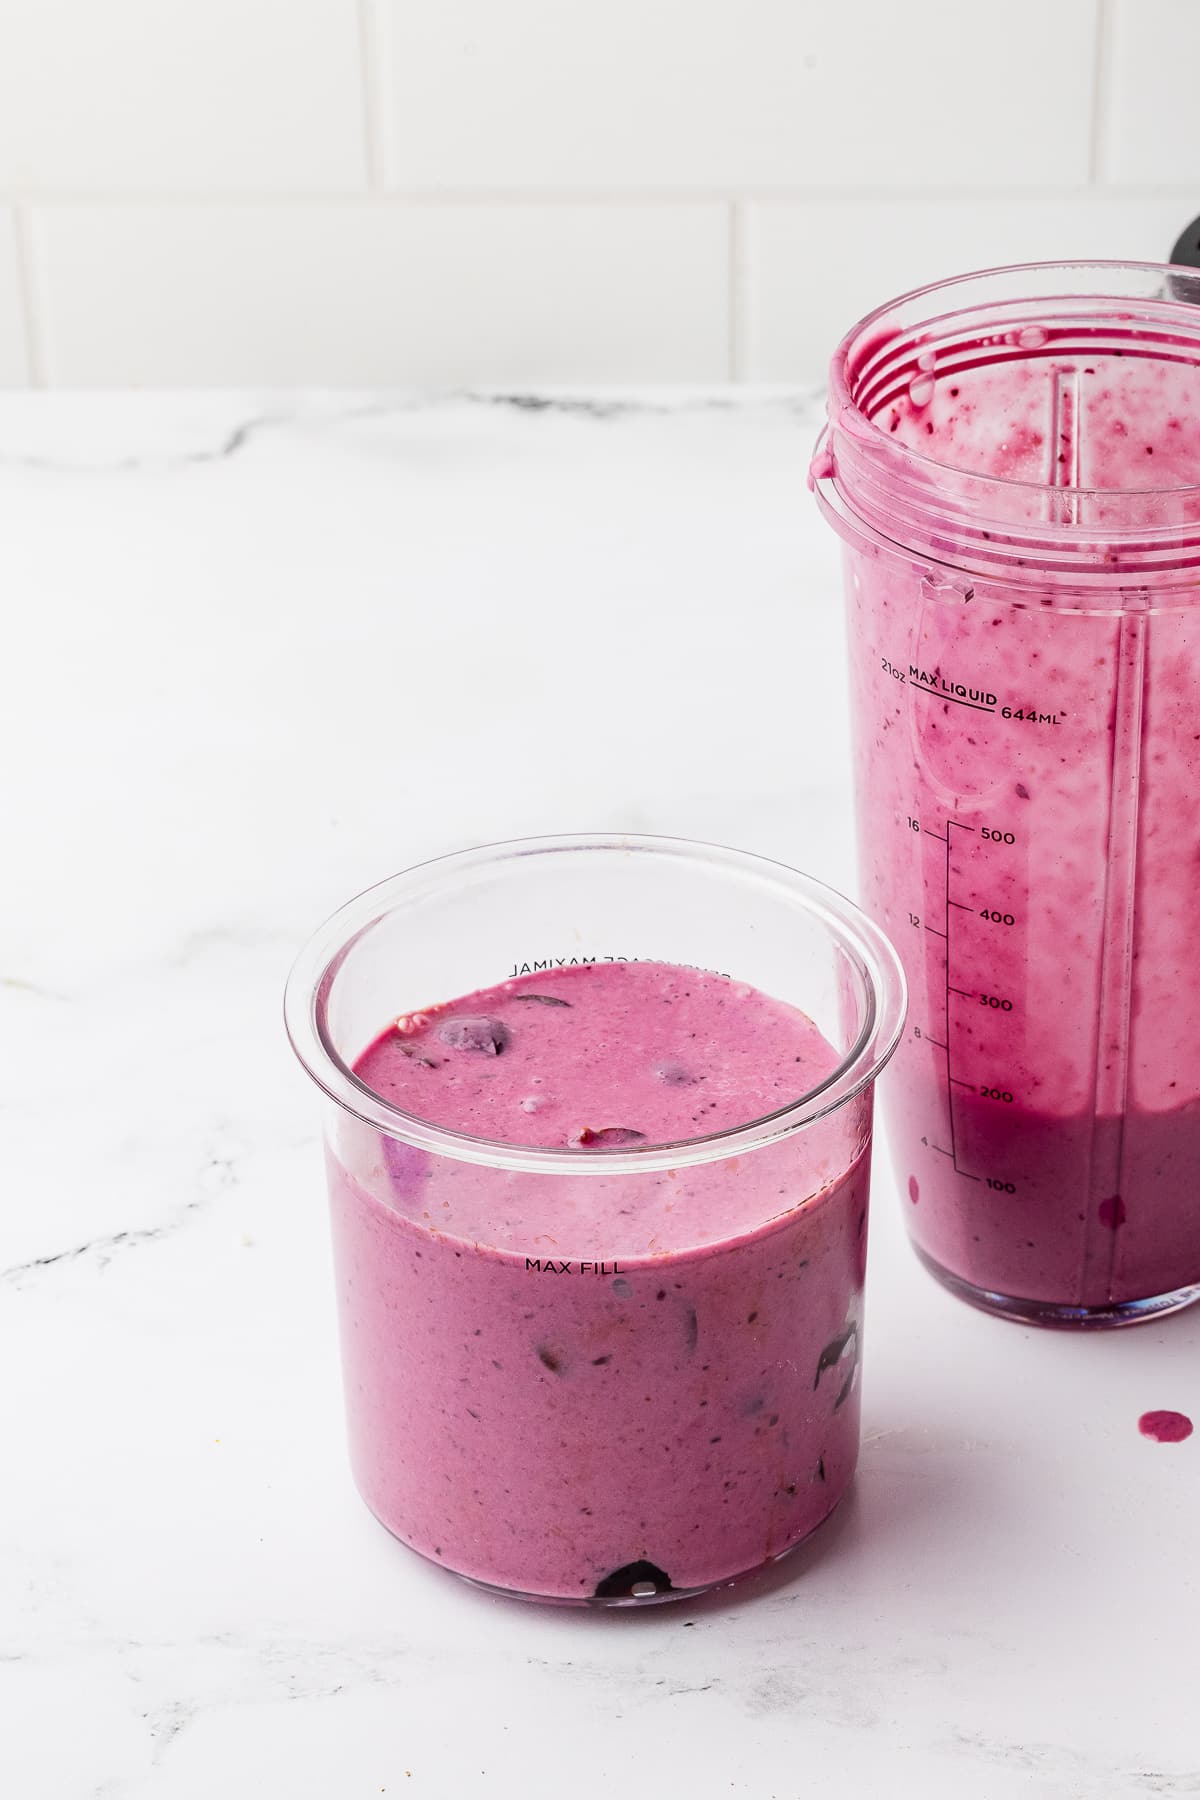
(1012, 461)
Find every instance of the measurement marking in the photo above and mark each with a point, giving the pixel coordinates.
(949, 1077)
(934, 694)
(952, 1081)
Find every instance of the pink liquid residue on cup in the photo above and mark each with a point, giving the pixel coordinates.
(1013, 462)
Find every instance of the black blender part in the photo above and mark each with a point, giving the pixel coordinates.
(1186, 256)
(1187, 247)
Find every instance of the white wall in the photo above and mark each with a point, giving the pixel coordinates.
(519, 191)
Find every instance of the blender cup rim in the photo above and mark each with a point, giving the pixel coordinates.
(870, 953)
(845, 412)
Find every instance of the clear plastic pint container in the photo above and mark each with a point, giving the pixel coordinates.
(1013, 463)
(606, 1376)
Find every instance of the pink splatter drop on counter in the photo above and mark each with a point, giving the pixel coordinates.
(1165, 1427)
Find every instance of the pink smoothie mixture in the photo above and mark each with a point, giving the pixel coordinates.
(602, 1385)
(1028, 766)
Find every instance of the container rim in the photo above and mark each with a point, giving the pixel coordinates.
(869, 952)
(845, 412)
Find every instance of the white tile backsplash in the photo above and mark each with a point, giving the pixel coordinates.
(435, 295)
(175, 96)
(14, 363)
(736, 93)
(1153, 81)
(814, 267)
(472, 191)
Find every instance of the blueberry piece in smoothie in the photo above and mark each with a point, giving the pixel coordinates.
(542, 999)
(675, 1074)
(634, 1581)
(832, 1355)
(491, 1036)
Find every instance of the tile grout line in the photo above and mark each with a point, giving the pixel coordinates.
(28, 287)
(1101, 61)
(383, 198)
(369, 70)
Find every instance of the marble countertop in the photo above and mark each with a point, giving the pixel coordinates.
(261, 651)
